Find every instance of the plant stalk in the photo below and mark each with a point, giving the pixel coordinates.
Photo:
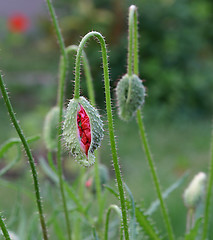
(208, 195)
(133, 49)
(109, 114)
(91, 95)
(29, 155)
(60, 102)
(4, 229)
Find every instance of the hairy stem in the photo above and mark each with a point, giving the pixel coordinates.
(4, 229)
(154, 174)
(133, 49)
(29, 155)
(91, 94)
(109, 114)
(208, 195)
(60, 101)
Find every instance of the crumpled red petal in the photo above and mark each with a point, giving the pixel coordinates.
(84, 129)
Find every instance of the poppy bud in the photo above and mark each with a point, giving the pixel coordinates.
(195, 191)
(51, 129)
(82, 130)
(130, 96)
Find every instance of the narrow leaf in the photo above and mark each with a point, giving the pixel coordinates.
(154, 205)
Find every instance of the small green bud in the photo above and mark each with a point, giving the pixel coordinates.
(82, 130)
(195, 191)
(51, 129)
(130, 96)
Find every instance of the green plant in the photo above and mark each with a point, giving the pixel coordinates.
(80, 129)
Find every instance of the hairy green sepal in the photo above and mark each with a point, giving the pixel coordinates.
(70, 131)
(130, 96)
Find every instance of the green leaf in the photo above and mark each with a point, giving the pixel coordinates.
(146, 224)
(11, 164)
(111, 190)
(9, 143)
(48, 171)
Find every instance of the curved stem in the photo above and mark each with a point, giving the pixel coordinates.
(60, 101)
(117, 210)
(87, 72)
(91, 94)
(208, 194)
(109, 114)
(29, 155)
(133, 48)
(4, 229)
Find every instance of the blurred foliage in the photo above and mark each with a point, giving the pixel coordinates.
(175, 46)
(176, 63)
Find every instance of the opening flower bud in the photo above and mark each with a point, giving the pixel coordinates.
(82, 130)
(51, 128)
(130, 94)
(194, 193)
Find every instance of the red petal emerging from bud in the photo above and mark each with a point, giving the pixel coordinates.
(84, 129)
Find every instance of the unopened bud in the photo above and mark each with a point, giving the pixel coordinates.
(130, 96)
(195, 191)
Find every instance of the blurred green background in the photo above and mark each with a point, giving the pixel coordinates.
(176, 63)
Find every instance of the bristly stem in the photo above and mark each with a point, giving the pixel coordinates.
(60, 102)
(29, 155)
(91, 94)
(4, 229)
(208, 194)
(133, 49)
(109, 114)
(130, 42)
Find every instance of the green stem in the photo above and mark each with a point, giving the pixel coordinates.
(98, 187)
(29, 155)
(81, 188)
(109, 114)
(131, 40)
(87, 72)
(117, 210)
(189, 220)
(60, 101)
(91, 94)
(154, 174)
(208, 194)
(133, 48)
(4, 229)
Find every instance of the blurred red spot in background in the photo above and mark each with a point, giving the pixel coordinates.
(18, 23)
